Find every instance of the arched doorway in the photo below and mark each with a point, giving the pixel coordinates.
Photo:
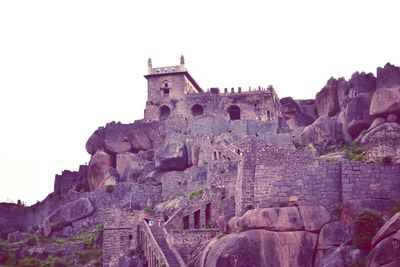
(164, 112)
(234, 113)
(197, 110)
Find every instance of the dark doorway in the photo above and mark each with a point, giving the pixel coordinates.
(197, 110)
(234, 113)
(164, 112)
(208, 214)
(197, 219)
(186, 222)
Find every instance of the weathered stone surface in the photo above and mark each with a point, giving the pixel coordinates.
(392, 118)
(376, 122)
(321, 132)
(172, 157)
(261, 248)
(140, 141)
(294, 115)
(357, 114)
(383, 141)
(223, 224)
(130, 166)
(334, 234)
(389, 228)
(360, 83)
(94, 143)
(326, 100)
(98, 165)
(385, 101)
(341, 256)
(17, 236)
(67, 214)
(115, 146)
(386, 253)
(388, 76)
(279, 219)
(314, 217)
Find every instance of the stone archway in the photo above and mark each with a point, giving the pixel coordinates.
(197, 110)
(234, 112)
(165, 111)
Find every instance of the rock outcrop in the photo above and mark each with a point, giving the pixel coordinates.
(261, 248)
(98, 170)
(67, 214)
(172, 157)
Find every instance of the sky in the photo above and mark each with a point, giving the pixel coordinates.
(68, 67)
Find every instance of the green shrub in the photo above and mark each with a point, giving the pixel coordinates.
(54, 262)
(365, 227)
(149, 210)
(100, 226)
(29, 262)
(355, 152)
(32, 241)
(195, 194)
(59, 241)
(110, 188)
(88, 255)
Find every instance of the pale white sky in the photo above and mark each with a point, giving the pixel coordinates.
(67, 67)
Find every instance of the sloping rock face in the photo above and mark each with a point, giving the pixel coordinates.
(385, 101)
(261, 248)
(389, 228)
(139, 141)
(357, 114)
(294, 115)
(172, 157)
(67, 214)
(342, 256)
(132, 167)
(98, 171)
(323, 131)
(327, 100)
(386, 253)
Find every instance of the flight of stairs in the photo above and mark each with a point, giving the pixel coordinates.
(162, 243)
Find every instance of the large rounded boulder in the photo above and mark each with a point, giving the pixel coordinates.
(98, 170)
(261, 248)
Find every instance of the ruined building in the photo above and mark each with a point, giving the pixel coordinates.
(231, 178)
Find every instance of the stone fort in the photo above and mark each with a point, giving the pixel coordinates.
(200, 164)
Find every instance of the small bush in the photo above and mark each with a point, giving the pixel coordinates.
(54, 262)
(355, 152)
(59, 241)
(195, 194)
(32, 241)
(99, 226)
(109, 188)
(149, 210)
(365, 227)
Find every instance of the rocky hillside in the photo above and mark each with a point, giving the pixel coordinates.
(319, 186)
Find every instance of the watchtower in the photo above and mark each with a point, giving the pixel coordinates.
(165, 87)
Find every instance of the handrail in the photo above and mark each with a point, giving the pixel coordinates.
(153, 240)
(173, 249)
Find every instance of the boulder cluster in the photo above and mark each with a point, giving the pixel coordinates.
(365, 109)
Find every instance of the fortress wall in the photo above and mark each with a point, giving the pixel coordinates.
(289, 177)
(370, 180)
(222, 173)
(178, 183)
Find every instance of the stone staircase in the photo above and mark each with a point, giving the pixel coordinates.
(159, 237)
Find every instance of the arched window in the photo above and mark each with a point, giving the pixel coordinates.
(164, 112)
(234, 112)
(197, 110)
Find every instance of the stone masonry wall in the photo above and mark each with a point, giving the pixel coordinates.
(190, 243)
(370, 180)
